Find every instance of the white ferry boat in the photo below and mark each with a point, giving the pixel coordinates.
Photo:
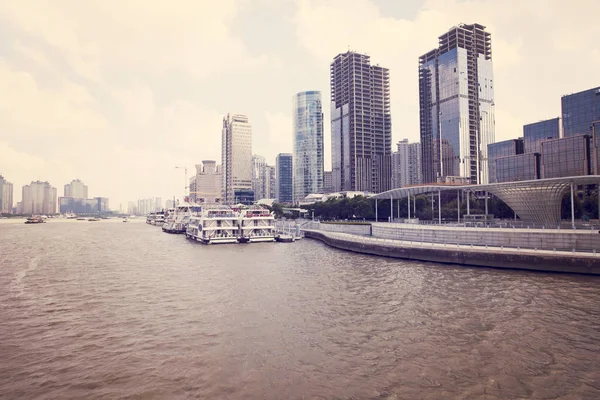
(178, 221)
(257, 225)
(216, 224)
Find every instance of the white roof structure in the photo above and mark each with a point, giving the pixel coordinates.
(536, 201)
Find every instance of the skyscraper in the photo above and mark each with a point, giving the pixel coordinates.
(39, 198)
(308, 144)
(456, 92)
(208, 183)
(535, 133)
(285, 187)
(579, 111)
(6, 196)
(406, 164)
(328, 182)
(259, 176)
(361, 128)
(76, 189)
(236, 157)
(271, 182)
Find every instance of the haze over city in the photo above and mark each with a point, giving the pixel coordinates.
(117, 95)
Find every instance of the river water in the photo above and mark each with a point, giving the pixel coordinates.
(107, 310)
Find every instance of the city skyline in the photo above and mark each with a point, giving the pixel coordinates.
(122, 117)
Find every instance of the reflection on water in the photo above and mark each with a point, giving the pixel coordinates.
(109, 310)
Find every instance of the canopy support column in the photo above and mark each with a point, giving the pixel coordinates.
(408, 206)
(439, 207)
(391, 209)
(486, 205)
(468, 203)
(458, 204)
(572, 208)
(376, 210)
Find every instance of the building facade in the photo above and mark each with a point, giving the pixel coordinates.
(39, 198)
(328, 182)
(271, 182)
(534, 134)
(6, 196)
(236, 157)
(308, 144)
(259, 177)
(207, 183)
(78, 205)
(569, 156)
(456, 99)
(579, 111)
(520, 167)
(361, 124)
(285, 178)
(76, 189)
(406, 164)
(497, 150)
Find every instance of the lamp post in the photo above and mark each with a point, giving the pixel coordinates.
(185, 186)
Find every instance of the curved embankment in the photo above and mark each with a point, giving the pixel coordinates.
(547, 261)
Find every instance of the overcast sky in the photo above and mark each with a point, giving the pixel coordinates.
(117, 93)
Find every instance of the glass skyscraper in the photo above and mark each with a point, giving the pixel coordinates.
(498, 150)
(579, 111)
(456, 92)
(308, 144)
(285, 178)
(566, 157)
(361, 127)
(535, 133)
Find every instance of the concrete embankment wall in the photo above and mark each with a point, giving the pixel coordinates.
(541, 239)
(547, 239)
(542, 261)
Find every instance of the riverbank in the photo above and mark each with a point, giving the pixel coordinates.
(478, 256)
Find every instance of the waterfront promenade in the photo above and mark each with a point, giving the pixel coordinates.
(444, 245)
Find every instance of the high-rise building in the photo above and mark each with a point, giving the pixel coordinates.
(208, 181)
(498, 150)
(518, 167)
(406, 164)
(158, 204)
(76, 189)
(39, 198)
(308, 144)
(361, 127)
(569, 156)
(579, 111)
(534, 134)
(6, 196)
(285, 178)
(456, 93)
(328, 182)
(259, 177)
(236, 156)
(271, 182)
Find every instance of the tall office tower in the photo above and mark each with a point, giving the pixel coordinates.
(308, 144)
(39, 198)
(361, 124)
(406, 164)
(76, 189)
(579, 111)
(236, 158)
(456, 93)
(270, 182)
(500, 150)
(328, 182)
(208, 183)
(259, 178)
(285, 178)
(158, 204)
(534, 134)
(6, 196)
